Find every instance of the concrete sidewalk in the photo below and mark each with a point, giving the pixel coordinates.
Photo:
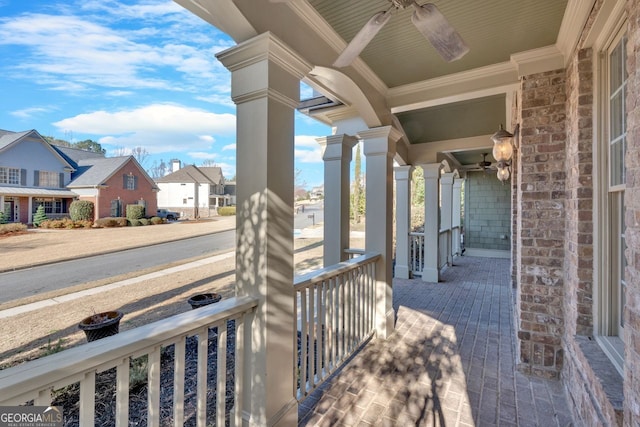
(450, 362)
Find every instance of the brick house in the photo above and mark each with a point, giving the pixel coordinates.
(111, 183)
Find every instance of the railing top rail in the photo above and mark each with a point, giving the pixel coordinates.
(415, 233)
(316, 276)
(41, 373)
(355, 251)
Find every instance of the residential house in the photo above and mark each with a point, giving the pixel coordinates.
(32, 173)
(111, 183)
(194, 191)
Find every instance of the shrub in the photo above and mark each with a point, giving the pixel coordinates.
(81, 210)
(110, 222)
(135, 211)
(3, 218)
(155, 220)
(227, 211)
(144, 221)
(65, 223)
(134, 222)
(12, 228)
(40, 216)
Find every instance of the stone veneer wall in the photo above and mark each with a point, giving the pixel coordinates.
(541, 225)
(632, 200)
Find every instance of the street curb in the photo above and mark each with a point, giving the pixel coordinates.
(25, 267)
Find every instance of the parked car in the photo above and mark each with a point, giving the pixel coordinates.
(167, 214)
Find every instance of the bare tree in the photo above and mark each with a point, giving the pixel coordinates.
(209, 163)
(158, 170)
(119, 152)
(140, 154)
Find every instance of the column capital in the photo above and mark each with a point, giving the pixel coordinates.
(446, 178)
(337, 147)
(457, 183)
(379, 141)
(431, 170)
(388, 132)
(402, 173)
(265, 46)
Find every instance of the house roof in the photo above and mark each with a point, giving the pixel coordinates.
(96, 171)
(9, 138)
(36, 192)
(74, 155)
(195, 174)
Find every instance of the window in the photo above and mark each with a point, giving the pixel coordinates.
(9, 176)
(48, 179)
(130, 181)
(51, 206)
(610, 322)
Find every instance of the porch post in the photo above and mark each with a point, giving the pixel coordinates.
(336, 153)
(455, 214)
(379, 148)
(265, 85)
(30, 212)
(430, 272)
(403, 220)
(446, 186)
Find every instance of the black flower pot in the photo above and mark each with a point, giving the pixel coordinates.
(200, 300)
(101, 325)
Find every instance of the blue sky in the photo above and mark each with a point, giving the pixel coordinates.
(127, 74)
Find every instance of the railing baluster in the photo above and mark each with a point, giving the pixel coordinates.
(319, 334)
(44, 398)
(312, 342)
(87, 399)
(203, 350)
(153, 389)
(122, 393)
(179, 355)
(331, 358)
(303, 342)
(221, 378)
(239, 370)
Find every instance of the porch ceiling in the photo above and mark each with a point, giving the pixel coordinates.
(399, 75)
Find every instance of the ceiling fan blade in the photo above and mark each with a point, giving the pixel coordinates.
(362, 39)
(435, 27)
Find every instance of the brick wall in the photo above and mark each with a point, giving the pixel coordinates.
(487, 212)
(632, 201)
(114, 189)
(541, 225)
(579, 196)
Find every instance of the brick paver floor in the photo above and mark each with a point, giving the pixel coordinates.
(450, 362)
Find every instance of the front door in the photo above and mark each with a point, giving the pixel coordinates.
(8, 210)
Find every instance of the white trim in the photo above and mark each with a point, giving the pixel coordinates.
(575, 17)
(539, 60)
(487, 253)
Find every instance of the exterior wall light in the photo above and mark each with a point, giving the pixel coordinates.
(503, 151)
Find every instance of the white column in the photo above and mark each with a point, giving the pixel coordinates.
(30, 212)
(455, 213)
(379, 148)
(430, 272)
(265, 85)
(446, 187)
(403, 220)
(336, 153)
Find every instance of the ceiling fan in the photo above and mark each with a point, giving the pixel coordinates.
(484, 164)
(428, 20)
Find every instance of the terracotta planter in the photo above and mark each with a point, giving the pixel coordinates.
(201, 300)
(101, 325)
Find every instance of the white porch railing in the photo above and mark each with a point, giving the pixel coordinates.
(416, 253)
(354, 252)
(443, 248)
(227, 323)
(335, 309)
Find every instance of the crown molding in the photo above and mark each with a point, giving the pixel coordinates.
(539, 60)
(575, 17)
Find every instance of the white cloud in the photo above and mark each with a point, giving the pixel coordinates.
(202, 155)
(308, 156)
(27, 113)
(229, 147)
(111, 45)
(159, 128)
